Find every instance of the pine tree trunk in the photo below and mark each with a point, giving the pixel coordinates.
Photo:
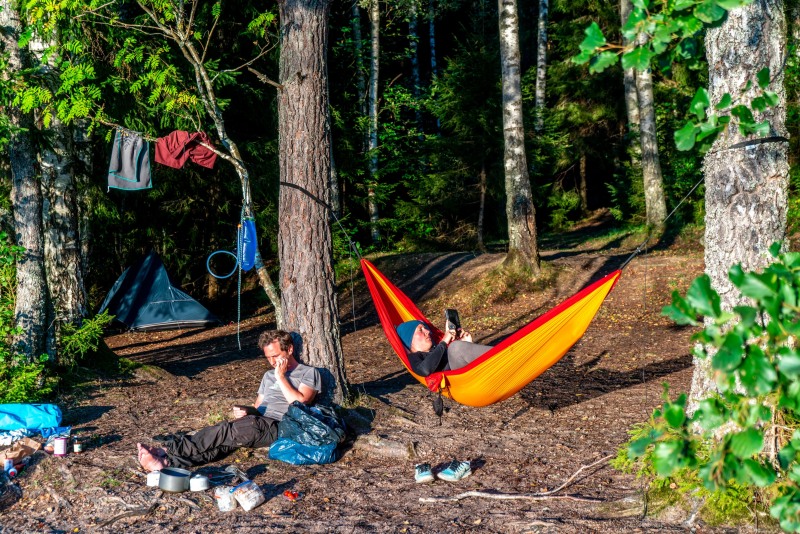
(541, 66)
(655, 203)
(30, 313)
(746, 187)
(308, 288)
(374, 69)
(522, 247)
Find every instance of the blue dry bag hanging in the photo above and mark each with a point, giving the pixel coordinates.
(249, 244)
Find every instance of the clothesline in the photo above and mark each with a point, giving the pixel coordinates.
(152, 139)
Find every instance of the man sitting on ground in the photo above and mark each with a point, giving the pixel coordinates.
(253, 427)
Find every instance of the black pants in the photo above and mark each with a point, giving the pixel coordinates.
(214, 442)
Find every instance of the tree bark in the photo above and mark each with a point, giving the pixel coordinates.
(26, 202)
(655, 203)
(482, 208)
(62, 254)
(746, 187)
(582, 188)
(541, 66)
(432, 43)
(374, 70)
(82, 150)
(413, 44)
(629, 76)
(358, 53)
(522, 247)
(305, 244)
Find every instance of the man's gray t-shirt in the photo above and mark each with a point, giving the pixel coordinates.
(274, 404)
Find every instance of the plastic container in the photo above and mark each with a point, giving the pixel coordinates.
(226, 502)
(153, 477)
(199, 483)
(77, 446)
(60, 446)
(248, 495)
(8, 463)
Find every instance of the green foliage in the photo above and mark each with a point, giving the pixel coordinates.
(756, 368)
(78, 341)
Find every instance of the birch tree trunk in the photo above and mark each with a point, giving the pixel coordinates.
(541, 66)
(655, 203)
(62, 253)
(374, 69)
(308, 288)
(629, 75)
(413, 44)
(746, 179)
(26, 202)
(182, 35)
(432, 43)
(522, 247)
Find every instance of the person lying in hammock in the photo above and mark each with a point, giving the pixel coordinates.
(454, 351)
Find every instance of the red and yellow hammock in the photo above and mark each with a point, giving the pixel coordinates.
(510, 365)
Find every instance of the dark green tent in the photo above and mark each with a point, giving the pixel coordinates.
(144, 298)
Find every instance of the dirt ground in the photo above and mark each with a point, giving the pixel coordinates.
(574, 414)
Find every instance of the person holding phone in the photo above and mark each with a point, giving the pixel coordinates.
(252, 426)
(428, 355)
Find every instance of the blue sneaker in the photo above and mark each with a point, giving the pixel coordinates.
(455, 471)
(423, 473)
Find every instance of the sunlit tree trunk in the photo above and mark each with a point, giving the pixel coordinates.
(26, 203)
(746, 186)
(308, 288)
(541, 66)
(631, 96)
(374, 24)
(655, 203)
(522, 247)
(413, 45)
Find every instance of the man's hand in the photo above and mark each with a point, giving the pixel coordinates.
(238, 413)
(280, 367)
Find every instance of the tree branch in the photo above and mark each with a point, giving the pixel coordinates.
(264, 79)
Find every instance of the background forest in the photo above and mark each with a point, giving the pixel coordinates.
(415, 119)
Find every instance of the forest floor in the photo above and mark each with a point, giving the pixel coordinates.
(575, 414)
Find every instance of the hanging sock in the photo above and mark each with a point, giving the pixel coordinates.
(175, 148)
(130, 162)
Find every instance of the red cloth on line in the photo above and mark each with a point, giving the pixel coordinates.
(174, 149)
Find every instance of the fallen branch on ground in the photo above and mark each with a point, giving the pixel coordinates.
(541, 496)
(144, 510)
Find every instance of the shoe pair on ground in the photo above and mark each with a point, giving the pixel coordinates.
(454, 472)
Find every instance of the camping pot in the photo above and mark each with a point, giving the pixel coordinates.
(174, 479)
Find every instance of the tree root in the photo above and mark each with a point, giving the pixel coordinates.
(144, 510)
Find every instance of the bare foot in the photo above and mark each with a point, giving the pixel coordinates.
(151, 458)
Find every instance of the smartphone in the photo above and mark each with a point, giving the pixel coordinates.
(452, 322)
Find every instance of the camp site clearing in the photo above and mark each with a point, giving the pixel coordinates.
(574, 414)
